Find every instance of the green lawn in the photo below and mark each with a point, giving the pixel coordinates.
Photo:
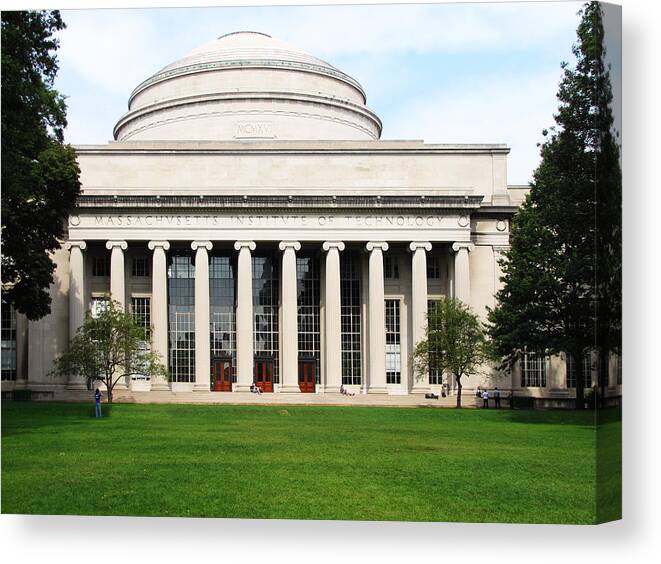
(305, 462)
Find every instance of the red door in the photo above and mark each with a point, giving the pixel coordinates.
(306, 378)
(222, 375)
(264, 375)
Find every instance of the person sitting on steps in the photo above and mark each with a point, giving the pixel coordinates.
(345, 392)
(255, 389)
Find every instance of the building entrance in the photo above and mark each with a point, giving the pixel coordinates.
(264, 374)
(306, 376)
(221, 375)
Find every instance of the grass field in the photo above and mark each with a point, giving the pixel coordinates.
(361, 463)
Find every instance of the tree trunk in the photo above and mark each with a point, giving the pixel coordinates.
(109, 389)
(459, 391)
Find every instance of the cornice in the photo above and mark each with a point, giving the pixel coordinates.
(273, 64)
(286, 147)
(461, 204)
(198, 99)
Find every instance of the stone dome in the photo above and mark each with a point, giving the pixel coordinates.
(247, 85)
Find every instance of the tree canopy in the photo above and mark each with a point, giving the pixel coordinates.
(109, 347)
(39, 173)
(455, 343)
(562, 275)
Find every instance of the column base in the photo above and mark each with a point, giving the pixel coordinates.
(160, 386)
(377, 390)
(290, 390)
(140, 386)
(332, 389)
(204, 387)
(241, 387)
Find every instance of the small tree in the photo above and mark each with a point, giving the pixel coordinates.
(455, 343)
(109, 347)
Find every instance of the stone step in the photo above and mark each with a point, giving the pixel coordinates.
(129, 396)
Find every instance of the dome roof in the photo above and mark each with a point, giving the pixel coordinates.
(248, 83)
(243, 48)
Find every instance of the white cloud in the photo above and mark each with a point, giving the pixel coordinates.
(494, 109)
(114, 50)
(341, 30)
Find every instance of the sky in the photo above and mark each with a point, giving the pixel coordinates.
(442, 73)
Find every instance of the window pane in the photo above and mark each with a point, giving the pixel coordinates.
(350, 316)
(393, 344)
(181, 316)
(8, 350)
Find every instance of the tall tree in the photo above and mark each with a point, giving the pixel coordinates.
(561, 276)
(455, 343)
(39, 173)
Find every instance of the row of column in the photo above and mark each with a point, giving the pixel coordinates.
(288, 292)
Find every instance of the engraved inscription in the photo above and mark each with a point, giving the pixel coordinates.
(253, 130)
(265, 221)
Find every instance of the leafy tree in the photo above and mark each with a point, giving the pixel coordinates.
(562, 274)
(107, 348)
(39, 173)
(455, 343)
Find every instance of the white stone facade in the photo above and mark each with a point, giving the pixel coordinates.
(248, 147)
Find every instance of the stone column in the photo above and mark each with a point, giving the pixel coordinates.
(159, 307)
(498, 255)
(117, 277)
(418, 299)
(377, 322)
(76, 298)
(289, 324)
(332, 325)
(202, 339)
(21, 349)
(244, 317)
(462, 283)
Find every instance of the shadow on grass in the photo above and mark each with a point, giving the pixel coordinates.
(550, 417)
(26, 416)
(592, 418)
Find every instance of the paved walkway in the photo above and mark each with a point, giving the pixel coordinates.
(247, 398)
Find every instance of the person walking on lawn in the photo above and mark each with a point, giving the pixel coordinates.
(97, 403)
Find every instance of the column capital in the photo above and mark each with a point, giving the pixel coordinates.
(289, 245)
(121, 244)
(328, 245)
(415, 245)
(371, 245)
(165, 245)
(456, 247)
(501, 248)
(243, 244)
(82, 245)
(195, 245)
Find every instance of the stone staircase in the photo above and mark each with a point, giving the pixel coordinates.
(247, 398)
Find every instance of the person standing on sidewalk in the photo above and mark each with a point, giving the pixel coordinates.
(496, 398)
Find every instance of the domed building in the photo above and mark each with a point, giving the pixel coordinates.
(219, 90)
(249, 212)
